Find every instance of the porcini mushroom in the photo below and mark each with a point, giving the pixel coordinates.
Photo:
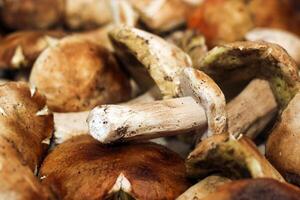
(232, 157)
(161, 16)
(131, 123)
(255, 189)
(20, 49)
(76, 75)
(82, 168)
(32, 14)
(25, 130)
(203, 188)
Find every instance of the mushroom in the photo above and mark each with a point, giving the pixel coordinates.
(282, 147)
(101, 119)
(255, 189)
(221, 21)
(31, 14)
(130, 123)
(203, 188)
(161, 15)
(59, 74)
(20, 49)
(232, 157)
(82, 168)
(68, 125)
(25, 131)
(289, 41)
(192, 43)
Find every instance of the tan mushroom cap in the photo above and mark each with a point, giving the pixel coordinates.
(283, 145)
(76, 75)
(155, 56)
(20, 49)
(234, 158)
(203, 188)
(82, 168)
(31, 14)
(245, 60)
(25, 132)
(255, 189)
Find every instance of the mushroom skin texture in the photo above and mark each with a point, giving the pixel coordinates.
(221, 21)
(82, 168)
(289, 41)
(145, 53)
(203, 188)
(161, 16)
(77, 74)
(20, 49)
(235, 158)
(283, 145)
(31, 14)
(87, 14)
(255, 189)
(25, 131)
(246, 60)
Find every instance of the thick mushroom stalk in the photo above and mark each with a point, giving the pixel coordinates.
(25, 130)
(232, 157)
(146, 54)
(89, 170)
(192, 82)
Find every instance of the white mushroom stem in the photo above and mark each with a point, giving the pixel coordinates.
(68, 125)
(168, 117)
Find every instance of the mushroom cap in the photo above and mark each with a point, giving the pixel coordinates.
(31, 14)
(87, 14)
(162, 60)
(161, 16)
(76, 75)
(20, 49)
(83, 168)
(255, 189)
(24, 122)
(203, 188)
(283, 145)
(245, 60)
(24, 133)
(234, 158)
(206, 93)
(221, 21)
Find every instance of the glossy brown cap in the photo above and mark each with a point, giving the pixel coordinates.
(83, 168)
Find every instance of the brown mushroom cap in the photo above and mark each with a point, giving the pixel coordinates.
(255, 189)
(20, 49)
(234, 158)
(245, 60)
(25, 130)
(31, 14)
(77, 75)
(221, 20)
(82, 168)
(283, 145)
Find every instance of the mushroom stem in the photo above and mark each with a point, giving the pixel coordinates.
(109, 123)
(71, 124)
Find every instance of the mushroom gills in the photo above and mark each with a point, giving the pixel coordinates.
(120, 195)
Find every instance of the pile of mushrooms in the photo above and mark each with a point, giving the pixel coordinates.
(149, 100)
